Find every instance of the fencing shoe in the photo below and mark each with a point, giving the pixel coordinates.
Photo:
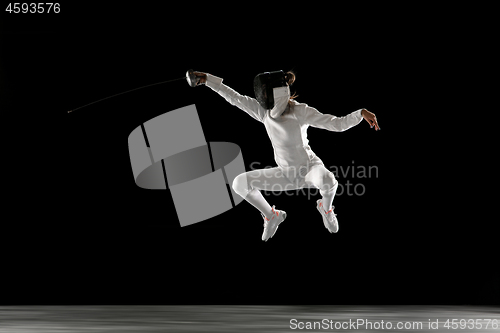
(271, 225)
(329, 218)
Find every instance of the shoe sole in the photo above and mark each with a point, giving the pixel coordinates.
(284, 218)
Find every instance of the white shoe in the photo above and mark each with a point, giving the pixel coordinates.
(271, 225)
(329, 218)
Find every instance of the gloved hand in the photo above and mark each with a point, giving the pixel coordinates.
(202, 76)
(194, 79)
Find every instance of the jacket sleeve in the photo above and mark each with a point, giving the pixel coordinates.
(245, 103)
(314, 118)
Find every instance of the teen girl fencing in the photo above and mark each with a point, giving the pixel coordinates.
(286, 122)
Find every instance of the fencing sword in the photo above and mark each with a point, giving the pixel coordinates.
(190, 77)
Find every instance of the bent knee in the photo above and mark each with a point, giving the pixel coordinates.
(240, 184)
(328, 182)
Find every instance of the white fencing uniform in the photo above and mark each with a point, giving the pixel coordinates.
(298, 165)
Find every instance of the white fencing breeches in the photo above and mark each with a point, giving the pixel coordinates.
(274, 180)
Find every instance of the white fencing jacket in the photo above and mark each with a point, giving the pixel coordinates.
(288, 133)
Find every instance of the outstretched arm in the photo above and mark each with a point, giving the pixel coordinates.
(245, 103)
(329, 122)
(338, 124)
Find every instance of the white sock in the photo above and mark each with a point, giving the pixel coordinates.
(328, 198)
(256, 199)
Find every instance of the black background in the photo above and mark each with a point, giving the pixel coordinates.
(78, 229)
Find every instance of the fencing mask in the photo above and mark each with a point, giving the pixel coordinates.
(272, 91)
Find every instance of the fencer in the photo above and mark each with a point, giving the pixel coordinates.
(286, 122)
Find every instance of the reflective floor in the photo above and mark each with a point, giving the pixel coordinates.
(58, 319)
